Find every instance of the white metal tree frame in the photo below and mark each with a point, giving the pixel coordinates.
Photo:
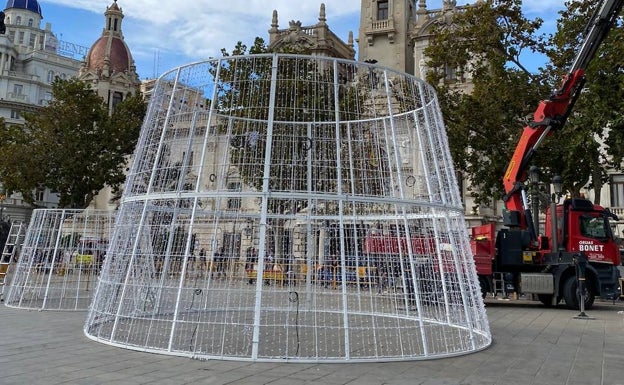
(285, 207)
(60, 259)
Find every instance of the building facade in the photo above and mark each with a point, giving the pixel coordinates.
(29, 63)
(318, 39)
(395, 33)
(31, 57)
(110, 70)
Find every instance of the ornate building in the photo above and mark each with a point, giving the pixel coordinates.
(317, 38)
(29, 62)
(395, 33)
(31, 58)
(110, 70)
(109, 66)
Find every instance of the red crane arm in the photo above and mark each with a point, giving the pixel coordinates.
(552, 114)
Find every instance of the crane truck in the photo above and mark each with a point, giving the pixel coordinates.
(577, 256)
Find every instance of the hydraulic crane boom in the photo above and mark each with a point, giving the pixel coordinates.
(551, 114)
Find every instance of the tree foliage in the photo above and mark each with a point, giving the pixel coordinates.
(303, 104)
(595, 130)
(486, 42)
(71, 146)
(306, 94)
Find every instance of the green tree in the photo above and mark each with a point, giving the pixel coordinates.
(594, 131)
(71, 146)
(485, 43)
(484, 125)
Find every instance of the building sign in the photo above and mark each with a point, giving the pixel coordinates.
(72, 50)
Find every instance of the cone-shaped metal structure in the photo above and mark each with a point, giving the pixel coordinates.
(287, 207)
(60, 259)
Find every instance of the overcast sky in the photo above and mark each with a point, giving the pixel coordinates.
(165, 34)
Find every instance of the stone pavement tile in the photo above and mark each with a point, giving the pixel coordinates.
(532, 345)
(553, 372)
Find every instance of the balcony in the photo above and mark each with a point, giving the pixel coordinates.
(619, 211)
(380, 27)
(20, 98)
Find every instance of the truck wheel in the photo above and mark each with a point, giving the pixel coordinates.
(546, 299)
(570, 294)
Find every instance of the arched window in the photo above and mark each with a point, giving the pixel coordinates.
(30, 22)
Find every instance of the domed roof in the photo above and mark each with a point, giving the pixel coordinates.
(118, 55)
(30, 5)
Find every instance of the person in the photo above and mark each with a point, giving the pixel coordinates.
(251, 258)
(382, 282)
(325, 275)
(202, 262)
(268, 267)
(220, 263)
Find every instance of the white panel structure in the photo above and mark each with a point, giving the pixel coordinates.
(291, 208)
(60, 259)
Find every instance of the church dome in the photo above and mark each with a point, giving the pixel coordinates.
(112, 48)
(30, 5)
(110, 54)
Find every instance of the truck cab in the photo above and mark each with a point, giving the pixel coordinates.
(584, 227)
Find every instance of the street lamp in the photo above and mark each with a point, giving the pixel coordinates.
(557, 183)
(534, 179)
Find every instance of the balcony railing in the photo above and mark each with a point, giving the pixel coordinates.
(382, 25)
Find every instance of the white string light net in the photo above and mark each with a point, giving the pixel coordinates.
(60, 259)
(295, 208)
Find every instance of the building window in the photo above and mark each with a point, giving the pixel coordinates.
(30, 22)
(32, 40)
(47, 98)
(50, 76)
(450, 73)
(617, 190)
(39, 195)
(382, 10)
(15, 114)
(117, 98)
(21, 38)
(18, 20)
(234, 203)
(17, 89)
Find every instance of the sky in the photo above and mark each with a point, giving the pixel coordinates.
(165, 34)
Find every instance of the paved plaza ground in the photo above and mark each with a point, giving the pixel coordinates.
(531, 345)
